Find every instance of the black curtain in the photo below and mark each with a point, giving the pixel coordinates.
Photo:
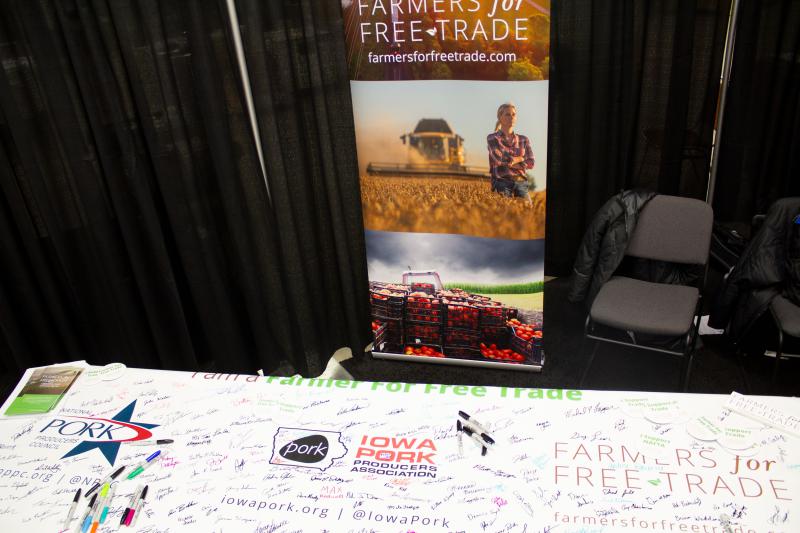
(632, 104)
(296, 60)
(759, 159)
(135, 224)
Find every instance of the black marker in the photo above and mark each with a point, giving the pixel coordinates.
(134, 514)
(87, 515)
(472, 421)
(72, 509)
(106, 480)
(158, 442)
(129, 509)
(483, 439)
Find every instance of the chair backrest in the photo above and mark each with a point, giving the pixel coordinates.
(674, 229)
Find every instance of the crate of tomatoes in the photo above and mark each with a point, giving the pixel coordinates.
(427, 288)
(387, 303)
(421, 307)
(495, 335)
(492, 351)
(379, 336)
(453, 295)
(461, 315)
(462, 337)
(463, 352)
(397, 287)
(394, 332)
(526, 339)
(423, 334)
(423, 350)
(494, 314)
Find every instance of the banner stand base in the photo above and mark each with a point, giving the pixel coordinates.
(457, 362)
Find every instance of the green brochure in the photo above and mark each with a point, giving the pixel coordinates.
(43, 390)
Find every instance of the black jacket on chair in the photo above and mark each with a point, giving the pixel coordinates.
(768, 267)
(604, 243)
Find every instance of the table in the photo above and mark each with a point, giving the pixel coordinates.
(254, 453)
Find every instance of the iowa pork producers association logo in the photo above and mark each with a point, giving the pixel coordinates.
(90, 432)
(307, 448)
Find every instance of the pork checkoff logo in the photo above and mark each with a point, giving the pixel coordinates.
(104, 434)
(307, 448)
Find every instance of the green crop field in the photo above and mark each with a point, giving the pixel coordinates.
(530, 302)
(492, 290)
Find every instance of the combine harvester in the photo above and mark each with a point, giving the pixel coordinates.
(433, 150)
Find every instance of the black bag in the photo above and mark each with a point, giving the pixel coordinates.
(726, 246)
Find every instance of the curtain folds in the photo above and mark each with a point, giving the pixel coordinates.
(633, 96)
(135, 224)
(296, 62)
(759, 160)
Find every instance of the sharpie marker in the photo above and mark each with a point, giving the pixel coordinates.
(90, 514)
(131, 505)
(472, 421)
(151, 442)
(86, 515)
(134, 514)
(139, 507)
(101, 502)
(482, 436)
(146, 464)
(482, 439)
(108, 479)
(72, 509)
(107, 503)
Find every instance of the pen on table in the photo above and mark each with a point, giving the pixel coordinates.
(108, 479)
(131, 505)
(134, 514)
(472, 421)
(107, 503)
(458, 432)
(476, 428)
(146, 464)
(85, 514)
(72, 509)
(84, 524)
(99, 504)
(151, 442)
(478, 435)
(139, 507)
(483, 439)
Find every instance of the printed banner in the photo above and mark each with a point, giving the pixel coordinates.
(450, 109)
(244, 453)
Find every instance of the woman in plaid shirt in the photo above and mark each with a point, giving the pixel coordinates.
(510, 155)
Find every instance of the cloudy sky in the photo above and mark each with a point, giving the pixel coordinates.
(457, 258)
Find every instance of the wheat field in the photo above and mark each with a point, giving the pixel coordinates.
(449, 205)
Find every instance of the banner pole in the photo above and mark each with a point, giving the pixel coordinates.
(726, 75)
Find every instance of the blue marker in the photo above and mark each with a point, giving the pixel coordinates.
(141, 468)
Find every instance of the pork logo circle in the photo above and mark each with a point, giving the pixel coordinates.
(307, 448)
(311, 449)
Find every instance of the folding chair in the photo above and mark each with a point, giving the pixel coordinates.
(672, 229)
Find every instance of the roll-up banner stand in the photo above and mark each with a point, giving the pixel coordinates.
(450, 109)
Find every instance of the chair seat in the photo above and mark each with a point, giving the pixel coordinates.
(644, 307)
(788, 314)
